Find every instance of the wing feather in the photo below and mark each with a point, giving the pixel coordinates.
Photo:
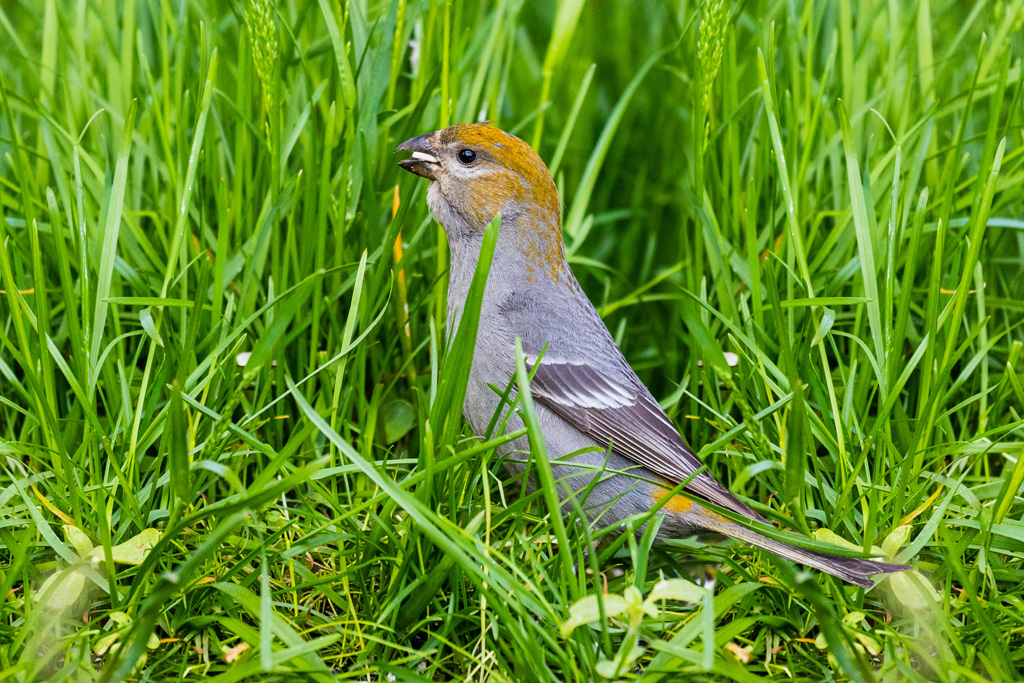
(625, 415)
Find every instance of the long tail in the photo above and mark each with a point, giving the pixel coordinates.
(849, 569)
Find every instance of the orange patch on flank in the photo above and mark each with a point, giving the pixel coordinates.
(677, 504)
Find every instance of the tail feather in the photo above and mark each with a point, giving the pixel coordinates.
(850, 569)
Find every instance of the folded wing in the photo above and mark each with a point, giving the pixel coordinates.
(616, 408)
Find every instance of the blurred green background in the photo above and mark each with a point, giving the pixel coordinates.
(231, 438)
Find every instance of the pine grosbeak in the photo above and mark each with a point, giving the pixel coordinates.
(589, 403)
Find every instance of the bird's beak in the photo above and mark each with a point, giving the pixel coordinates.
(424, 160)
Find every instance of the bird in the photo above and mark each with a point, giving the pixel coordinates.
(597, 418)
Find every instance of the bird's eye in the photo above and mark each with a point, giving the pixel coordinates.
(467, 156)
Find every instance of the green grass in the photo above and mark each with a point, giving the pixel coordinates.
(832, 192)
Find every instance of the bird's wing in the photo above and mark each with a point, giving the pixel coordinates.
(615, 408)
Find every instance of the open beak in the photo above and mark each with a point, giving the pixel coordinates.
(424, 160)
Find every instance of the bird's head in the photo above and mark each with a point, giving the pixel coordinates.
(477, 171)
